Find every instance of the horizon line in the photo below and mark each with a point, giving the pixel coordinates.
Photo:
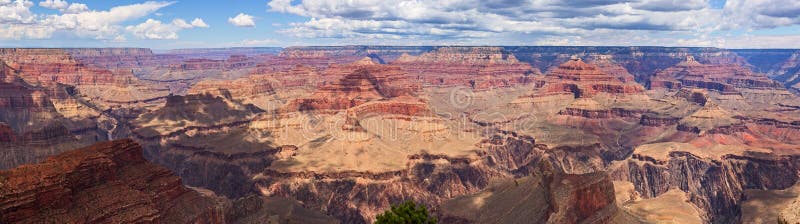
(333, 46)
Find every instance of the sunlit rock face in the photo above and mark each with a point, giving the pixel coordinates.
(327, 134)
(720, 78)
(475, 67)
(106, 182)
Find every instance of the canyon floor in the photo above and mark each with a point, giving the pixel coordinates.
(339, 134)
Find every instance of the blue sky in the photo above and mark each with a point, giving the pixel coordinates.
(237, 23)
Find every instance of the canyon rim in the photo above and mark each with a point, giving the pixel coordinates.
(334, 111)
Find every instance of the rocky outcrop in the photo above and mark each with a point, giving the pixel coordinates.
(548, 196)
(361, 82)
(790, 214)
(192, 112)
(722, 78)
(586, 80)
(607, 64)
(56, 66)
(203, 139)
(432, 179)
(243, 88)
(218, 160)
(714, 185)
(106, 182)
(40, 121)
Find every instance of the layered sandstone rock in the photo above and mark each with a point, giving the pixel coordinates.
(476, 67)
(587, 80)
(547, 197)
(40, 121)
(583, 92)
(255, 89)
(607, 64)
(55, 65)
(715, 185)
(361, 82)
(106, 182)
(200, 138)
(356, 196)
(192, 112)
(721, 78)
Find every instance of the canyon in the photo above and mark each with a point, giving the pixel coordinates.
(338, 134)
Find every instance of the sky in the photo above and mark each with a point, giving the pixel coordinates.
(281, 23)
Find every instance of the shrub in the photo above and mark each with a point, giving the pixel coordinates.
(406, 212)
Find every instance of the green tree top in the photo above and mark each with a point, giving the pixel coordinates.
(406, 212)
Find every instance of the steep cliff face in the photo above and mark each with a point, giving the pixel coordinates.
(548, 196)
(106, 182)
(201, 138)
(432, 179)
(54, 65)
(789, 72)
(40, 121)
(716, 186)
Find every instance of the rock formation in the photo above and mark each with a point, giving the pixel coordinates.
(106, 182)
(312, 133)
(717, 77)
(587, 80)
(549, 196)
(475, 67)
(40, 121)
(359, 82)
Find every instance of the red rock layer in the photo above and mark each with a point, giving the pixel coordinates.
(723, 78)
(606, 64)
(118, 58)
(107, 182)
(245, 87)
(20, 103)
(586, 80)
(360, 82)
(477, 67)
(58, 66)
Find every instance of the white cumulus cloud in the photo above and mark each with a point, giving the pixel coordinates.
(157, 30)
(242, 20)
(16, 12)
(17, 21)
(197, 22)
(54, 4)
(64, 6)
